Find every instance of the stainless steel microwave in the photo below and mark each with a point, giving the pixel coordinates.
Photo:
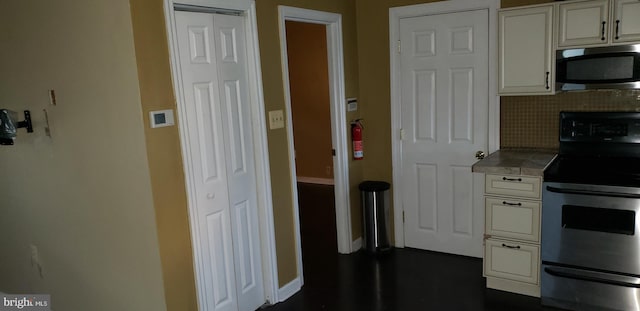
(611, 67)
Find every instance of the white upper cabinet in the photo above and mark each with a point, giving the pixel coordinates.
(626, 21)
(583, 23)
(598, 22)
(526, 51)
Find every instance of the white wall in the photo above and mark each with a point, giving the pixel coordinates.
(83, 197)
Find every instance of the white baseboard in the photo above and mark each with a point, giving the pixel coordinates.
(285, 292)
(315, 180)
(356, 245)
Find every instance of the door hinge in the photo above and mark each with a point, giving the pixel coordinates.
(402, 134)
(333, 152)
(402, 216)
(399, 47)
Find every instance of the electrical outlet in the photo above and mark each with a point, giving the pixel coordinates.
(276, 119)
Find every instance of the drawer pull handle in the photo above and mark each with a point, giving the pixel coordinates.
(511, 204)
(511, 179)
(511, 247)
(604, 25)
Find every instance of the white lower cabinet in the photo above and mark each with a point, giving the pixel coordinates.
(512, 233)
(512, 218)
(512, 260)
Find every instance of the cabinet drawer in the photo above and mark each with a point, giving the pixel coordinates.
(513, 261)
(510, 185)
(509, 218)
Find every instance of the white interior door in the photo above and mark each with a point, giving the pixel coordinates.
(444, 116)
(213, 65)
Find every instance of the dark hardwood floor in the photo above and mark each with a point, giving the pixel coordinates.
(403, 279)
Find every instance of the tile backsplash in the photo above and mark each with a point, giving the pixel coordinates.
(532, 121)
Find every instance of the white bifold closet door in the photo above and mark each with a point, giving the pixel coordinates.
(213, 66)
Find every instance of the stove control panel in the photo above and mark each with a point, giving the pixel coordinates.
(600, 127)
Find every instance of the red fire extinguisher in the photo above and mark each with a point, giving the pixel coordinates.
(356, 137)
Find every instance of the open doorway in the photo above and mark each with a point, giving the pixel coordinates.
(331, 23)
(311, 115)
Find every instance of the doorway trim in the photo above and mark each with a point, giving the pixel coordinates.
(339, 135)
(397, 13)
(246, 8)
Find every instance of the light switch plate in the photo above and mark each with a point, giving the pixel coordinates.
(352, 104)
(276, 119)
(161, 118)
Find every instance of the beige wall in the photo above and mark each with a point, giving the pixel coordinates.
(268, 34)
(83, 197)
(164, 154)
(310, 105)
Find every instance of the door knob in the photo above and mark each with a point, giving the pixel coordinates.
(480, 155)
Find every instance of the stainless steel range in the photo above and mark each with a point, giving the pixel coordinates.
(591, 214)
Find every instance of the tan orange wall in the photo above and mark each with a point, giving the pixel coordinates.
(268, 34)
(310, 105)
(164, 155)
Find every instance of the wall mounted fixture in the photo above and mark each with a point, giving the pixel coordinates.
(9, 125)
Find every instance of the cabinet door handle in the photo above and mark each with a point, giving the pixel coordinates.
(604, 24)
(511, 247)
(511, 179)
(546, 80)
(617, 29)
(511, 204)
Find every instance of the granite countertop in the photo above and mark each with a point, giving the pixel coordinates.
(531, 162)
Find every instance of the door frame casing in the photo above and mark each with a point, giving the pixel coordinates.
(333, 22)
(434, 8)
(258, 127)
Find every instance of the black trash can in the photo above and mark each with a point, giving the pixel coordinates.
(375, 212)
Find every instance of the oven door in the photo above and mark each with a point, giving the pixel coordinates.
(590, 247)
(593, 227)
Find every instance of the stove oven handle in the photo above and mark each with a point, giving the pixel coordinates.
(632, 282)
(594, 193)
